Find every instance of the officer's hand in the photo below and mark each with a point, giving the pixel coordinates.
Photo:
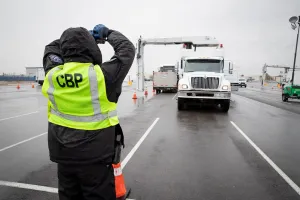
(98, 41)
(100, 32)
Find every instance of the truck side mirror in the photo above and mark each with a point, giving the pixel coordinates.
(230, 68)
(181, 63)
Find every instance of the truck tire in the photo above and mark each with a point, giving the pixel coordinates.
(284, 98)
(40, 83)
(225, 106)
(180, 104)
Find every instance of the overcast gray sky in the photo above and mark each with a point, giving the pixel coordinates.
(253, 32)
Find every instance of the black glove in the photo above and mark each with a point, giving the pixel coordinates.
(100, 33)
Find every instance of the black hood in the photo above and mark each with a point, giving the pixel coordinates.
(78, 45)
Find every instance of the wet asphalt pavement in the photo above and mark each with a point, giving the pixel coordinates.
(192, 154)
(270, 95)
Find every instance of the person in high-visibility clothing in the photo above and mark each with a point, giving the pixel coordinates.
(84, 134)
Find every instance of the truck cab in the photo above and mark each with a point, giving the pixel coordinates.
(202, 81)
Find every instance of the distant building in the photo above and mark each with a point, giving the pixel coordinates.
(254, 77)
(32, 71)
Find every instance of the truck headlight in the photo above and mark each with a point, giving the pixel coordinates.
(225, 87)
(184, 86)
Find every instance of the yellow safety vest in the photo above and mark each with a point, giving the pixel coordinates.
(76, 94)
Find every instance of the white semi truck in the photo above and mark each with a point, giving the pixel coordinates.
(202, 79)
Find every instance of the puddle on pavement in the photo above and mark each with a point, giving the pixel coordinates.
(139, 101)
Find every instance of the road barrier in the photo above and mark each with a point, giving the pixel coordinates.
(16, 78)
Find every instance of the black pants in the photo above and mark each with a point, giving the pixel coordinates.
(86, 182)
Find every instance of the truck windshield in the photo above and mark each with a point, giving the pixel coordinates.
(203, 65)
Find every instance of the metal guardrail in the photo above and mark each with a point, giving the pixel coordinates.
(16, 78)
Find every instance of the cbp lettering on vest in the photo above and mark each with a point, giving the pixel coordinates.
(84, 134)
(69, 80)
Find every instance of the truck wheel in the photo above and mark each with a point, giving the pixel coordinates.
(284, 98)
(180, 104)
(225, 106)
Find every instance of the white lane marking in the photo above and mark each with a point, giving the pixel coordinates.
(16, 144)
(32, 187)
(55, 190)
(174, 96)
(277, 169)
(29, 186)
(133, 150)
(18, 116)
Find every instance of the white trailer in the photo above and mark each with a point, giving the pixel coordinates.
(40, 76)
(165, 81)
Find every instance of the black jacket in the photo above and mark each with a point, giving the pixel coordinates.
(73, 146)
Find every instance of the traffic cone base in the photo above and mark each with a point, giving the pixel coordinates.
(134, 101)
(119, 182)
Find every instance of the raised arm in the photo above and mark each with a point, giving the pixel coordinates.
(121, 62)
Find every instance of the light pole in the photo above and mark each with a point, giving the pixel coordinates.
(294, 21)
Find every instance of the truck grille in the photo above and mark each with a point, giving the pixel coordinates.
(205, 83)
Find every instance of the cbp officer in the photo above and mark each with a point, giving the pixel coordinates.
(83, 125)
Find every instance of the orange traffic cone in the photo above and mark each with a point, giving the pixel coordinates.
(134, 96)
(18, 86)
(119, 181)
(146, 92)
(32, 85)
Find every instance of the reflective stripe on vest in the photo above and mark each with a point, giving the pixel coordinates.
(94, 118)
(51, 87)
(98, 119)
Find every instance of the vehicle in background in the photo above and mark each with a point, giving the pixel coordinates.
(40, 76)
(231, 75)
(290, 92)
(202, 79)
(250, 79)
(242, 82)
(165, 80)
